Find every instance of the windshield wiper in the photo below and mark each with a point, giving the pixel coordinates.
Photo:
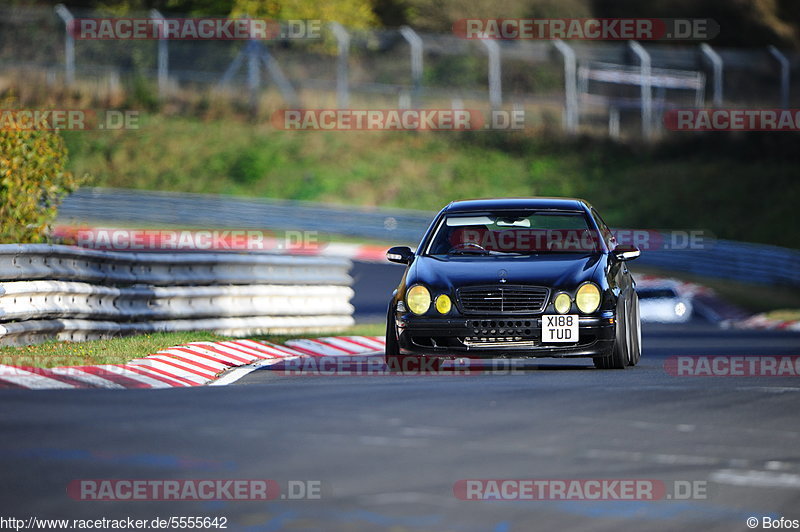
(468, 251)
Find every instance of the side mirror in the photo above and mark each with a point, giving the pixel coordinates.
(623, 253)
(400, 255)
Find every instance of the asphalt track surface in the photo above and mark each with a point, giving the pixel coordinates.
(388, 449)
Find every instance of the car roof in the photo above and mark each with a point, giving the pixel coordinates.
(490, 204)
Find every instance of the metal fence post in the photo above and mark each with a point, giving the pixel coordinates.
(495, 87)
(785, 72)
(253, 73)
(343, 47)
(163, 54)
(69, 43)
(647, 95)
(415, 43)
(613, 122)
(571, 110)
(404, 100)
(717, 64)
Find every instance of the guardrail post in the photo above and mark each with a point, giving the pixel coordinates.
(343, 48)
(415, 43)
(69, 43)
(717, 64)
(571, 110)
(647, 94)
(495, 87)
(163, 54)
(785, 72)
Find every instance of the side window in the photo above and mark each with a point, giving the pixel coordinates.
(608, 236)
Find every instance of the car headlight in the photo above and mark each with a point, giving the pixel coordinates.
(443, 304)
(588, 298)
(562, 303)
(418, 299)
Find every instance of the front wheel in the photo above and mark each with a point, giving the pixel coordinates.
(619, 357)
(392, 351)
(635, 333)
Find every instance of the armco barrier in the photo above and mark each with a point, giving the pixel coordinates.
(70, 293)
(215, 211)
(725, 259)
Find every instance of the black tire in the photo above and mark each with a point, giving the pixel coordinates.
(392, 352)
(635, 353)
(618, 359)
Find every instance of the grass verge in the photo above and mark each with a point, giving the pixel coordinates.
(120, 350)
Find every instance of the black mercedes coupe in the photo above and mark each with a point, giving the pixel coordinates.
(515, 278)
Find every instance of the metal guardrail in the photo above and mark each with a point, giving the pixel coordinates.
(728, 259)
(66, 263)
(76, 294)
(208, 210)
(724, 259)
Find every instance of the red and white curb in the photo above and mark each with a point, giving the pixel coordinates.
(192, 364)
(761, 321)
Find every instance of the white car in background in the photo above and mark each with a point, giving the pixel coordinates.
(663, 303)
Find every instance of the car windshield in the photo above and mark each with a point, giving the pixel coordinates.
(524, 233)
(656, 293)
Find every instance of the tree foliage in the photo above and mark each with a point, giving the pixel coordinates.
(351, 13)
(33, 181)
(742, 22)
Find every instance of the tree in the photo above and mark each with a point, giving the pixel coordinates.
(351, 13)
(33, 181)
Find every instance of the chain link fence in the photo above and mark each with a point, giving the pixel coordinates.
(601, 86)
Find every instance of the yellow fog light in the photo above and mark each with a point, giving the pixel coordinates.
(443, 304)
(418, 299)
(588, 298)
(562, 303)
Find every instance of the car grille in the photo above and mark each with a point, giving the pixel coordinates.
(502, 299)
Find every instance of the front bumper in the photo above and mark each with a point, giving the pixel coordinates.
(499, 337)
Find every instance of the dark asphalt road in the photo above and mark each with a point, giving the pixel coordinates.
(388, 450)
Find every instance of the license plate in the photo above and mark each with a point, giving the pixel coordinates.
(559, 328)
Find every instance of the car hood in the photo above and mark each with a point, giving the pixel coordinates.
(556, 270)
